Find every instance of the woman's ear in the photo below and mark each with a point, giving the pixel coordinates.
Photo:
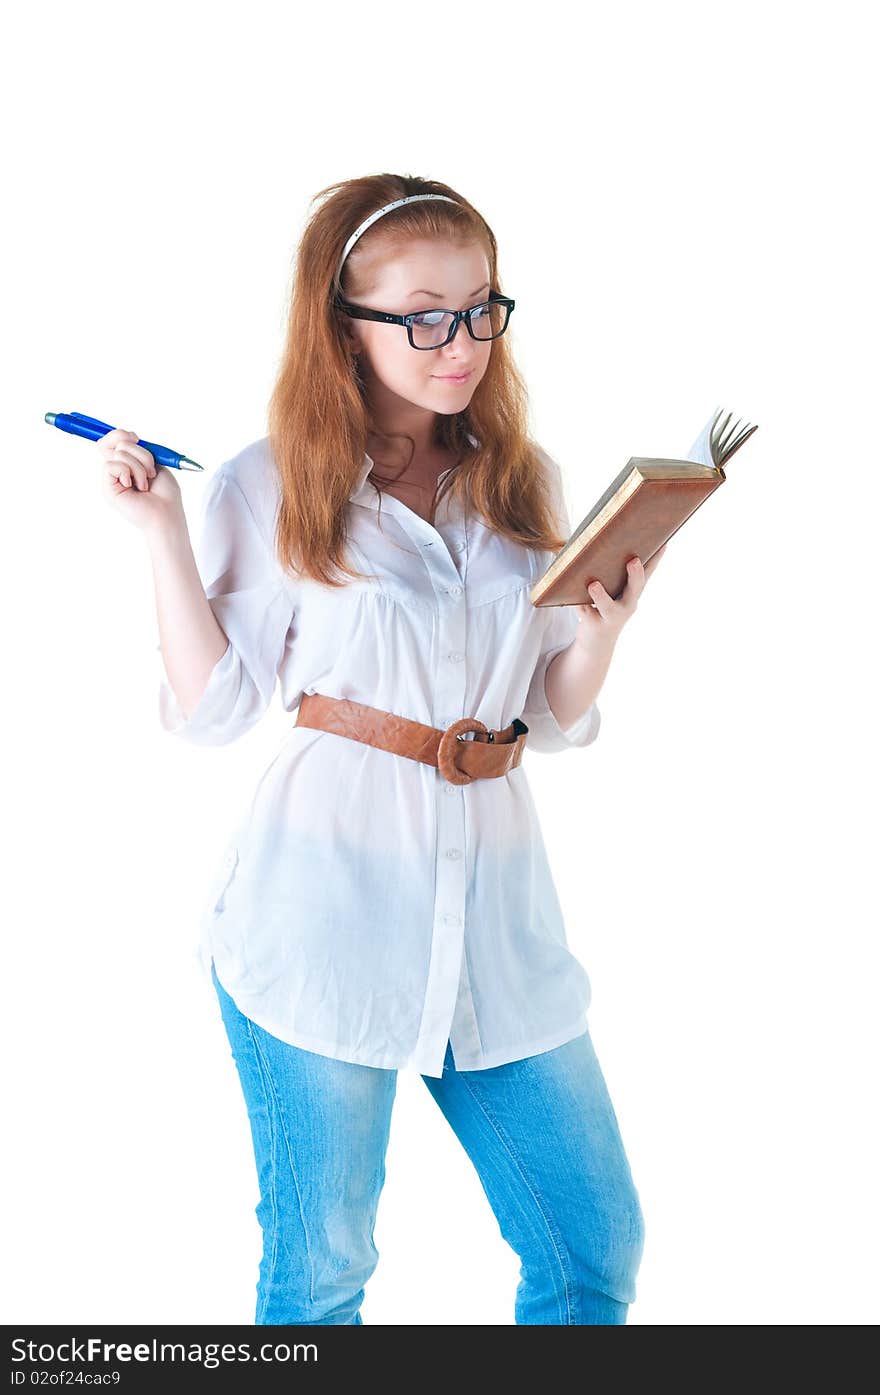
(351, 337)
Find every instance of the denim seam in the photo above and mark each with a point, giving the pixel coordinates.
(261, 1307)
(267, 1077)
(554, 1234)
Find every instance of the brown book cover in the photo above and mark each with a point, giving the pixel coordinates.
(648, 501)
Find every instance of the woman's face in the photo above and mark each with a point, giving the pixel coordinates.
(388, 363)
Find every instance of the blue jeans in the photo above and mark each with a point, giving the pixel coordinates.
(541, 1133)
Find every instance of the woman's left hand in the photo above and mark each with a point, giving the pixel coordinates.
(604, 620)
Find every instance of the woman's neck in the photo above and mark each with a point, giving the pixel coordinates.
(392, 461)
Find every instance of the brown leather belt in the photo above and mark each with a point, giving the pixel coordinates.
(489, 754)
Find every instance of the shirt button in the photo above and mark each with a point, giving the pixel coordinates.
(448, 788)
(455, 590)
(459, 546)
(456, 657)
(453, 853)
(449, 918)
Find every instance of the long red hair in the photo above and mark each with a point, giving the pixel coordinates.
(319, 417)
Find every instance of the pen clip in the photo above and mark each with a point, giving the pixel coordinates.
(90, 421)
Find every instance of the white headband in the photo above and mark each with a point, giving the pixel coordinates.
(368, 222)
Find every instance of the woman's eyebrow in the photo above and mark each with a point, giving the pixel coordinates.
(438, 295)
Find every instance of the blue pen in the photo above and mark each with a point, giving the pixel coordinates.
(93, 430)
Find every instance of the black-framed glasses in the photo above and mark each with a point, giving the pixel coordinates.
(431, 329)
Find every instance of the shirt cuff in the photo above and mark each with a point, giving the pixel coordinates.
(584, 730)
(208, 723)
(545, 733)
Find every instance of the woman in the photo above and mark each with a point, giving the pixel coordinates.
(386, 900)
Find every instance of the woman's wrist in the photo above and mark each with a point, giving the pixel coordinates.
(168, 536)
(596, 642)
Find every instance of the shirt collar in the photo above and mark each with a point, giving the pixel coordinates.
(361, 484)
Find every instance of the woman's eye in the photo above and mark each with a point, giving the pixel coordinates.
(430, 319)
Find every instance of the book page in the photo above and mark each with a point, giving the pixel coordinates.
(718, 441)
(701, 451)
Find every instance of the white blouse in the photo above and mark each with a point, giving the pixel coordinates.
(365, 908)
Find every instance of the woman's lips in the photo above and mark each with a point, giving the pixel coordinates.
(448, 378)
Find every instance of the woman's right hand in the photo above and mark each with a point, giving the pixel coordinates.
(147, 494)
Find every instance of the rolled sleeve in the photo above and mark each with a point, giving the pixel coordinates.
(252, 602)
(545, 733)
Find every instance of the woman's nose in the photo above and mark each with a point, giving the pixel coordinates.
(460, 348)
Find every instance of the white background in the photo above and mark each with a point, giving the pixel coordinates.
(682, 195)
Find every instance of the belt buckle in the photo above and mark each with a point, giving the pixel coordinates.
(446, 750)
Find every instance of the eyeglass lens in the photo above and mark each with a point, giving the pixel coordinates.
(432, 328)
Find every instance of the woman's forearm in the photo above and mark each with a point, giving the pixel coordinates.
(190, 639)
(574, 678)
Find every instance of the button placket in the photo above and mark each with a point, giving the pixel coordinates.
(465, 1038)
(447, 941)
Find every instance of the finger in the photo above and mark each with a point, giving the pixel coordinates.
(600, 598)
(121, 474)
(137, 468)
(139, 453)
(635, 580)
(118, 436)
(122, 456)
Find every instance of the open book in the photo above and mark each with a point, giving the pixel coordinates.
(648, 501)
